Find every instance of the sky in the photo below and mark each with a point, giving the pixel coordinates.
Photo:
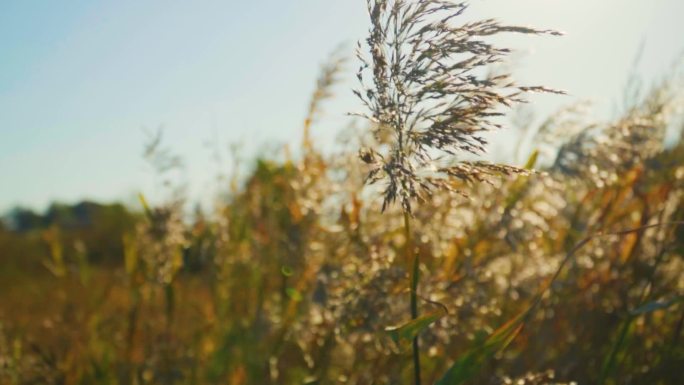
(83, 83)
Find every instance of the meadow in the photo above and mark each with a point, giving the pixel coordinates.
(395, 259)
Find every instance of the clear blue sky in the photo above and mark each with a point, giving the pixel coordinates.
(81, 80)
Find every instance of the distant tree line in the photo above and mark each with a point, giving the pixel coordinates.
(97, 229)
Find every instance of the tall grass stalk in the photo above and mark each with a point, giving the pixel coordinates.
(413, 255)
(429, 99)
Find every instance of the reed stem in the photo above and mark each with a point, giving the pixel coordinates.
(415, 277)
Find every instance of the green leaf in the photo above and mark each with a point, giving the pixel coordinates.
(145, 205)
(469, 364)
(517, 190)
(286, 271)
(532, 160)
(294, 294)
(411, 329)
(656, 305)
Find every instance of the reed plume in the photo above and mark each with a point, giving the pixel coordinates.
(425, 86)
(430, 98)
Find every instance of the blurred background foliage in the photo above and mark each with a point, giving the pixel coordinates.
(295, 277)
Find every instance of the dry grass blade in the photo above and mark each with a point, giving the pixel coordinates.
(467, 366)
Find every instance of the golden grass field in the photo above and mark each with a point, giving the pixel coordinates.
(322, 268)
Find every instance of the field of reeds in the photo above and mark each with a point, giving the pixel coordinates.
(395, 259)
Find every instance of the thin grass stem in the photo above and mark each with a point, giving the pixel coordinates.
(415, 278)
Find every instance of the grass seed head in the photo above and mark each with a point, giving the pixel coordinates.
(424, 79)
